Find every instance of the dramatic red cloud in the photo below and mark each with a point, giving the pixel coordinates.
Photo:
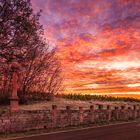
(98, 43)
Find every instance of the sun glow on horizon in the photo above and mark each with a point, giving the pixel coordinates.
(134, 85)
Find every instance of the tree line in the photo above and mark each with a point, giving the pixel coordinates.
(88, 97)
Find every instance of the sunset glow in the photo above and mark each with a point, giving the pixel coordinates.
(98, 43)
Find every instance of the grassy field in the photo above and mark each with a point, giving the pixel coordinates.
(62, 102)
(75, 101)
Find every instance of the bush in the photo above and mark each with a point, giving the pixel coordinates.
(4, 98)
(87, 97)
(25, 98)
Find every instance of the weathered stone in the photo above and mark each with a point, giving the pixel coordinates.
(39, 119)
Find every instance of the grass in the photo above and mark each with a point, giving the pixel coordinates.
(75, 101)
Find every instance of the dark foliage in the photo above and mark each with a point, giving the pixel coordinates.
(22, 41)
(98, 98)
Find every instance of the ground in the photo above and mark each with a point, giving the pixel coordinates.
(62, 103)
(75, 104)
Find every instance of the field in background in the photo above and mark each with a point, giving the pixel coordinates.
(134, 95)
(87, 97)
(76, 100)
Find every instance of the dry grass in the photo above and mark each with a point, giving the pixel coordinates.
(75, 104)
(62, 103)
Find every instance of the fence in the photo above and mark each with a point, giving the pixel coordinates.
(55, 118)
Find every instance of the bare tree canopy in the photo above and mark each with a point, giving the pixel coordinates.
(21, 40)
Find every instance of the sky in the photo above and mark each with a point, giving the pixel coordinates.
(98, 43)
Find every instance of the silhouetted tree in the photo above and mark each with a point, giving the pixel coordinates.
(21, 40)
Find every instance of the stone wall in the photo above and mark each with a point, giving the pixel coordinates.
(40, 119)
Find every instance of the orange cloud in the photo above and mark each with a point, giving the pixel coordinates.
(98, 43)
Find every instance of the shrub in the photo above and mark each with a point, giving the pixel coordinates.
(26, 98)
(4, 98)
(87, 97)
